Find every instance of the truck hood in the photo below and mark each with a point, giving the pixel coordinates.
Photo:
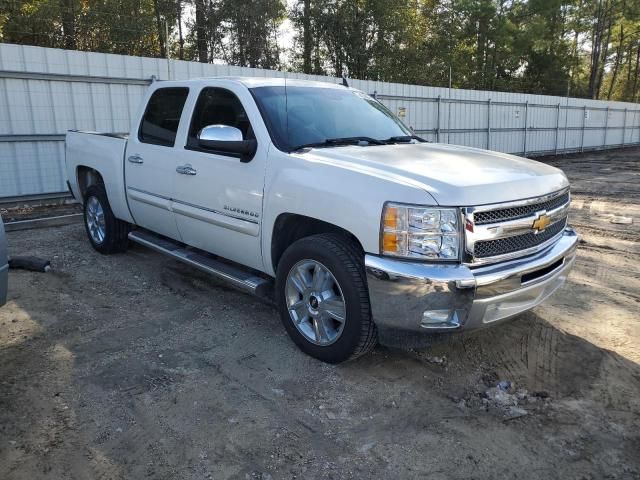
(452, 175)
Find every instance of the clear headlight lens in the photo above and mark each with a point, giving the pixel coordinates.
(420, 232)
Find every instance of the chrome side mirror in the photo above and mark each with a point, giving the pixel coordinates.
(220, 133)
(226, 140)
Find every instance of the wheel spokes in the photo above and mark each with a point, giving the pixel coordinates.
(299, 309)
(300, 280)
(315, 302)
(95, 219)
(319, 280)
(321, 331)
(334, 308)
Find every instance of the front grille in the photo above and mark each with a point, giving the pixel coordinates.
(513, 213)
(501, 246)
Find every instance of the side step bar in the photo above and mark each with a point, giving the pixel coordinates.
(243, 279)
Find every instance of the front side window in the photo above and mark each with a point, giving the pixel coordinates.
(162, 116)
(217, 106)
(299, 116)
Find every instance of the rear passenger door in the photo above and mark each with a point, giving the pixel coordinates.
(150, 161)
(218, 205)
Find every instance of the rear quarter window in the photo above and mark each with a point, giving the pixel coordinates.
(162, 116)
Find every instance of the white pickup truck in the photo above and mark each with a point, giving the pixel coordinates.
(317, 196)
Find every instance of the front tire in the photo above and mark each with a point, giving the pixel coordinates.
(106, 233)
(323, 300)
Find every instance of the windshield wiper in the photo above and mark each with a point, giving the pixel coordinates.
(336, 142)
(404, 139)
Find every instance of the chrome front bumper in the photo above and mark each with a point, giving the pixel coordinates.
(426, 297)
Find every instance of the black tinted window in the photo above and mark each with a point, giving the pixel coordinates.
(162, 117)
(217, 106)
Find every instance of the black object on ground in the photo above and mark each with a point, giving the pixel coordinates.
(34, 264)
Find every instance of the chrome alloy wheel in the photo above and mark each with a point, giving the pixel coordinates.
(315, 302)
(95, 220)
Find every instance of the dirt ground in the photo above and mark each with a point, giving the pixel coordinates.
(135, 366)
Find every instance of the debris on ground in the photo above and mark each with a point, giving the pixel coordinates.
(16, 213)
(621, 220)
(515, 412)
(501, 397)
(35, 264)
(436, 360)
(504, 385)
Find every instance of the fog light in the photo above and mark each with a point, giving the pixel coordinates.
(438, 319)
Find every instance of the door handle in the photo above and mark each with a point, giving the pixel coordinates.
(135, 159)
(186, 169)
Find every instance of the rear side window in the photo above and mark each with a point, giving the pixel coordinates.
(162, 116)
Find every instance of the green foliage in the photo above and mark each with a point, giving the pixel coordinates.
(251, 33)
(585, 48)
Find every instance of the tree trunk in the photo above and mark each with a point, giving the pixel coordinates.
(603, 59)
(201, 38)
(161, 31)
(614, 75)
(634, 90)
(180, 37)
(68, 24)
(317, 69)
(596, 46)
(307, 39)
(480, 53)
(626, 93)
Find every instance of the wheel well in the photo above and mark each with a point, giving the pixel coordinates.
(290, 227)
(87, 176)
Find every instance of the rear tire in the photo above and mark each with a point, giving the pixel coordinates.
(106, 233)
(330, 318)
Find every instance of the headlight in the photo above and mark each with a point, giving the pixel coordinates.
(420, 232)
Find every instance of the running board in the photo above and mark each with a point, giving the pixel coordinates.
(243, 279)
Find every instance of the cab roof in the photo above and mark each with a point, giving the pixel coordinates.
(252, 82)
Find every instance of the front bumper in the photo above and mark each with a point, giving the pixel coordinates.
(426, 297)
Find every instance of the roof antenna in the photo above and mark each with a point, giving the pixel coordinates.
(344, 82)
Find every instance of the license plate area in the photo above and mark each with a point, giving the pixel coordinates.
(541, 272)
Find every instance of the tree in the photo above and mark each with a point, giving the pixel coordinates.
(559, 47)
(251, 33)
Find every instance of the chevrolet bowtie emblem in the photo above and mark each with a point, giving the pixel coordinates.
(541, 223)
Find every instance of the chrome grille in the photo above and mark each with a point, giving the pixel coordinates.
(513, 213)
(502, 246)
(499, 232)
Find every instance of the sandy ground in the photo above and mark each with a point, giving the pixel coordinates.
(134, 366)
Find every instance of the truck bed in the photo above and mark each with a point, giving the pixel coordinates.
(103, 152)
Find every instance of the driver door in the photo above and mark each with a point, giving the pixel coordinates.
(218, 197)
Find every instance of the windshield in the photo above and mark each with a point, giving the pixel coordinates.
(300, 116)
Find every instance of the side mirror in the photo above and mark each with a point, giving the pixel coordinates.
(226, 139)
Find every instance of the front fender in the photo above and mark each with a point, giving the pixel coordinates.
(336, 194)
